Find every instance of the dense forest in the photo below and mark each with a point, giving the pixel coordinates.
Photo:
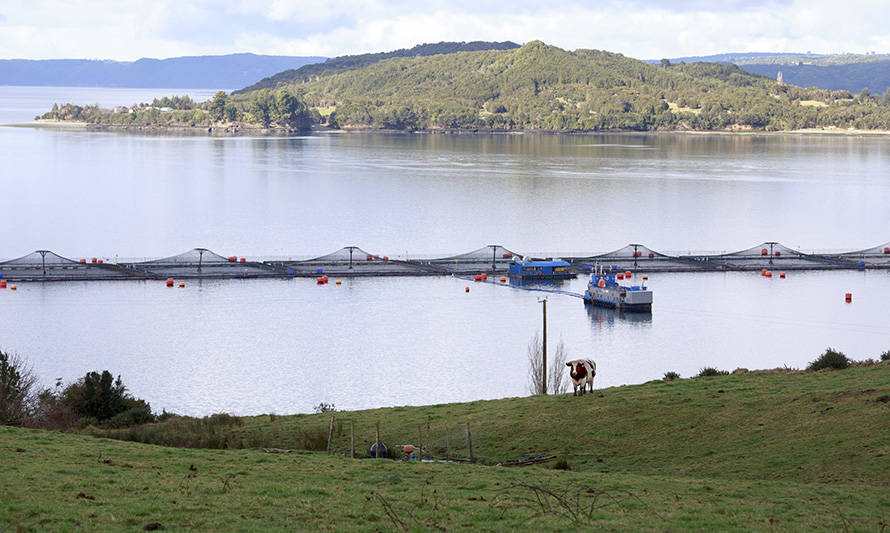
(536, 87)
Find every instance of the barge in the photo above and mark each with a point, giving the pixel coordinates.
(532, 269)
(604, 290)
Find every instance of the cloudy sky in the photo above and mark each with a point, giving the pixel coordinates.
(128, 30)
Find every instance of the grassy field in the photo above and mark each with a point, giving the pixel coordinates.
(783, 450)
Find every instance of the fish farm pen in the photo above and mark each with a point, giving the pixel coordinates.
(352, 261)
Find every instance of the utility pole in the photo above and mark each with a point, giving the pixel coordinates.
(544, 349)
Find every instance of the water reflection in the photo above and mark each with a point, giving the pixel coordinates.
(606, 317)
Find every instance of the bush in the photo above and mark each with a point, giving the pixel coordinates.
(104, 398)
(709, 371)
(324, 408)
(671, 376)
(17, 381)
(830, 359)
(885, 356)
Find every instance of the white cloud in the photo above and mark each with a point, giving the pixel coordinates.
(645, 29)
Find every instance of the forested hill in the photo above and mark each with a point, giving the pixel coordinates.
(344, 63)
(207, 72)
(541, 87)
(850, 72)
(853, 77)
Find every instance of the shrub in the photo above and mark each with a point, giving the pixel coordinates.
(709, 371)
(671, 376)
(17, 381)
(324, 408)
(830, 359)
(885, 356)
(102, 397)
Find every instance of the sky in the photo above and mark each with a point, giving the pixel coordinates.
(127, 30)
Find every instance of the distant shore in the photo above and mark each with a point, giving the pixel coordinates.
(233, 130)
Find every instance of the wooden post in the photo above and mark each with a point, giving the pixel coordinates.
(420, 446)
(377, 447)
(447, 443)
(427, 429)
(351, 439)
(330, 433)
(470, 442)
(544, 352)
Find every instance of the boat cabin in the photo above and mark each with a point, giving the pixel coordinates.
(540, 269)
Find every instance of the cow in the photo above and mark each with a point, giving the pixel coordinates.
(582, 373)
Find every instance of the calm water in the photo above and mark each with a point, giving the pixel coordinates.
(284, 346)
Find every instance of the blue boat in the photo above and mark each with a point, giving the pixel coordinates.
(540, 269)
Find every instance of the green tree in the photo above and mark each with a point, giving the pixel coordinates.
(218, 106)
(17, 382)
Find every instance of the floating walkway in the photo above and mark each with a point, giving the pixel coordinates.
(352, 261)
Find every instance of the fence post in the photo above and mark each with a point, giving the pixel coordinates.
(470, 442)
(330, 434)
(351, 439)
(447, 442)
(377, 447)
(420, 446)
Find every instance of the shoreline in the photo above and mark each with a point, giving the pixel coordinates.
(235, 130)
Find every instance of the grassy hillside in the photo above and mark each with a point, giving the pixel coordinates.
(541, 87)
(783, 450)
(854, 77)
(345, 63)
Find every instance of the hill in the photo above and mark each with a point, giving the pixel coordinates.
(352, 62)
(542, 87)
(850, 72)
(778, 450)
(211, 72)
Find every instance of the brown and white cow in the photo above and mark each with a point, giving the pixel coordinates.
(582, 373)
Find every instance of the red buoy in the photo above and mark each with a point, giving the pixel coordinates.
(477, 277)
(638, 254)
(887, 250)
(93, 260)
(620, 276)
(848, 297)
(651, 255)
(506, 256)
(83, 260)
(243, 260)
(169, 282)
(2, 284)
(763, 272)
(466, 289)
(769, 274)
(385, 258)
(100, 261)
(782, 275)
(503, 280)
(485, 277)
(763, 251)
(628, 274)
(778, 253)
(368, 258)
(233, 258)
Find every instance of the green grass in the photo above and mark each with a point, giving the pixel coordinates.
(787, 451)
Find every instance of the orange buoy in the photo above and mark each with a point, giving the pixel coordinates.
(368, 258)
(887, 249)
(83, 260)
(763, 251)
(645, 277)
(466, 289)
(628, 274)
(847, 297)
(638, 254)
(620, 276)
(12, 287)
(601, 283)
(485, 277)
(320, 281)
(169, 282)
(233, 258)
(763, 272)
(243, 260)
(782, 275)
(181, 284)
(2, 284)
(338, 282)
(477, 277)
(503, 280)
(93, 260)
(769, 274)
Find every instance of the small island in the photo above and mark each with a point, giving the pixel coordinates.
(532, 88)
